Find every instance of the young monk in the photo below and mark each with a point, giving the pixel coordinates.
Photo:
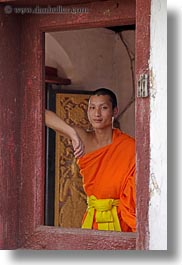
(106, 158)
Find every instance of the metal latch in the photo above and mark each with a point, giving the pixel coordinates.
(142, 89)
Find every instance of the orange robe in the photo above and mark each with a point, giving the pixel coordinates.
(109, 172)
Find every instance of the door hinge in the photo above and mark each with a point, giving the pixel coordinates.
(142, 89)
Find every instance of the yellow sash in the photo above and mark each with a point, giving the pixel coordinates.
(106, 214)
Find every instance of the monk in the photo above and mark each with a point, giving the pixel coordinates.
(106, 158)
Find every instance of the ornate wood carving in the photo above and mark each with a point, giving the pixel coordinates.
(70, 198)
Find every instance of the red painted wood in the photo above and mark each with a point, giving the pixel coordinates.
(51, 76)
(101, 14)
(31, 205)
(9, 129)
(51, 71)
(4, 1)
(22, 164)
(31, 233)
(142, 133)
(57, 80)
(78, 239)
(44, 3)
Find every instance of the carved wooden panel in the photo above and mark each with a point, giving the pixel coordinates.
(70, 198)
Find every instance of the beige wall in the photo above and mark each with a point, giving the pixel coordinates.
(94, 58)
(158, 214)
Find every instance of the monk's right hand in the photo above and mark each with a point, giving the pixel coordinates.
(78, 146)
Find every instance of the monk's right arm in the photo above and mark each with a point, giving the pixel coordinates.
(53, 121)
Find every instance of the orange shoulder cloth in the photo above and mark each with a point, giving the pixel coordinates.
(109, 172)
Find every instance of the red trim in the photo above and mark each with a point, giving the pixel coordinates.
(142, 132)
(51, 71)
(28, 179)
(9, 129)
(79, 239)
(57, 80)
(32, 157)
(34, 3)
(51, 76)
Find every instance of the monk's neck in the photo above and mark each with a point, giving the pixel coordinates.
(103, 137)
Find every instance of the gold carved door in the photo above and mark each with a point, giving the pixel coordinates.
(70, 198)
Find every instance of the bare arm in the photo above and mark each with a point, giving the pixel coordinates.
(54, 122)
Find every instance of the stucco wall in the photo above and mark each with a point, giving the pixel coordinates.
(158, 127)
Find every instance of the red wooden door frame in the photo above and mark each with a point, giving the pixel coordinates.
(142, 129)
(31, 231)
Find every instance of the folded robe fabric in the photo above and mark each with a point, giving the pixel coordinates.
(109, 173)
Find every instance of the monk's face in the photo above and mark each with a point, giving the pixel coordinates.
(100, 111)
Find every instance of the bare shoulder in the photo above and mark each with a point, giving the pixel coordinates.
(87, 138)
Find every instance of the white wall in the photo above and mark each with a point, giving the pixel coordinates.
(158, 127)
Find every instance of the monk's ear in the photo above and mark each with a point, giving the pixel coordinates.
(115, 112)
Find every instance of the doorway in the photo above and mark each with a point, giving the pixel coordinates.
(89, 58)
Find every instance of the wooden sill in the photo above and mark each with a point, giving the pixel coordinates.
(56, 238)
